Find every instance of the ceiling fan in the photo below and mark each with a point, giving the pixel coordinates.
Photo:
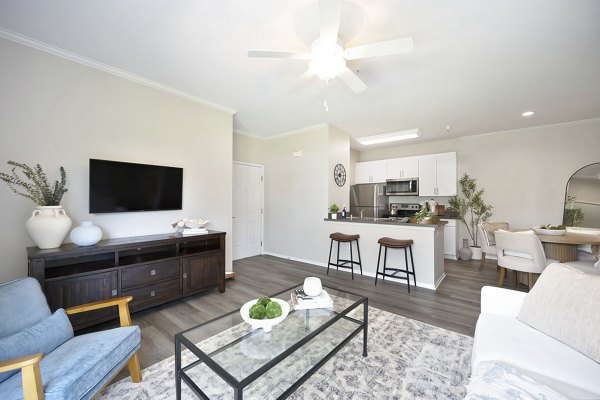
(328, 58)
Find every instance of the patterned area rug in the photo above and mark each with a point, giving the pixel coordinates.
(407, 359)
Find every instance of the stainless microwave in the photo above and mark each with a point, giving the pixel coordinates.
(402, 187)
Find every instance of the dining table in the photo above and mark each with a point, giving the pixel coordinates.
(564, 247)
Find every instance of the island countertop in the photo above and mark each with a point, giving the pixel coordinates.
(384, 221)
(427, 248)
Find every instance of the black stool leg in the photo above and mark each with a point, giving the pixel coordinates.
(359, 260)
(329, 258)
(378, 259)
(337, 262)
(407, 270)
(384, 262)
(413, 265)
(351, 261)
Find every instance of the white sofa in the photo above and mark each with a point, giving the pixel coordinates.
(501, 337)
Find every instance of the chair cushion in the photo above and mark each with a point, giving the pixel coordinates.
(489, 230)
(564, 305)
(81, 365)
(22, 304)
(43, 337)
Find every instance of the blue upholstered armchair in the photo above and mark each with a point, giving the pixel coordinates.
(39, 356)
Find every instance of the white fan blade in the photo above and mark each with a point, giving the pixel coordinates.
(397, 46)
(306, 76)
(353, 81)
(330, 13)
(279, 54)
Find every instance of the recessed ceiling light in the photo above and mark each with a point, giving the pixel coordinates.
(390, 137)
(528, 113)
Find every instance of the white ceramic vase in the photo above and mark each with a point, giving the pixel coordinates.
(86, 234)
(476, 253)
(48, 226)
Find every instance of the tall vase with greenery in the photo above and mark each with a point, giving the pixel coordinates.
(48, 224)
(471, 207)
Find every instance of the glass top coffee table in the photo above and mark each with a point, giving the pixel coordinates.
(226, 356)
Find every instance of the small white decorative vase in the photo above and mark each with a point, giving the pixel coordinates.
(312, 286)
(86, 234)
(48, 226)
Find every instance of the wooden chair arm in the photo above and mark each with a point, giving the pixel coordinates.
(121, 302)
(20, 362)
(30, 374)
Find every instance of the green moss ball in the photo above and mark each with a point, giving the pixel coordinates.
(273, 310)
(257, 311)
(263, 301)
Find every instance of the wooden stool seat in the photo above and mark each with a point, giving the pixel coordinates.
(341, 237)
(343, 263)
(394, 243)
(390, 243)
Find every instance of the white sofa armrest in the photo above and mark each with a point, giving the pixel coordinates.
(499, 301)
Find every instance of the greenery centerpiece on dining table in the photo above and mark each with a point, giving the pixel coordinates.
(471, 209)
(48, 224)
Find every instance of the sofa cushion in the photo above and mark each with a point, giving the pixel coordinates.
(495, 380)
(91, 360)
(564, 305)
(22, 304)
(43, 337)
(548, 361)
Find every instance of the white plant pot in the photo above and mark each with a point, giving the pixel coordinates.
(48, 226)
(86, 234)
(333, 215)
(476, 253)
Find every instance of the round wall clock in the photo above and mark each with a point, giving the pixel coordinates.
(339, 174)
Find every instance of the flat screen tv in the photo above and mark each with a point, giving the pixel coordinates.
(124, 187)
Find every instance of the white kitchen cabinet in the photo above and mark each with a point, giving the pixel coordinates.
(437, 174)
(371, 171)
(399, 168)
(450, 239)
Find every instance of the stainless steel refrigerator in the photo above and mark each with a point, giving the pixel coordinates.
(369, 198)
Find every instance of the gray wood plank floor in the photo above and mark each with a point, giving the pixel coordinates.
(454, 306)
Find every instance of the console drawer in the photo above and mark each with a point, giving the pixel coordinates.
(148, 273)
(153, 293)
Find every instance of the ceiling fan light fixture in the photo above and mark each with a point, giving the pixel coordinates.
(390, 137)
(327, 60)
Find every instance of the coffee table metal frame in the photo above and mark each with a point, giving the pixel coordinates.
(238, 386)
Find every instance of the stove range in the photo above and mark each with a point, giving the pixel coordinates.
(404, 209)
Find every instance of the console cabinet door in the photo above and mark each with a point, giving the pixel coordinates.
(200, 272)
(69, 292)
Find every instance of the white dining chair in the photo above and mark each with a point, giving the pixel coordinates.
(520, 251)
(487, 238)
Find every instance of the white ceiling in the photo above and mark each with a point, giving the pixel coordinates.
(476, 65)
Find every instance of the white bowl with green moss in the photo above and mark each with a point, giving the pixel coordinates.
(265, 323)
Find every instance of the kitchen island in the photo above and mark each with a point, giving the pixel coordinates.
(428, 246)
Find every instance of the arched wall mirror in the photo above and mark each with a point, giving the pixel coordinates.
(582, 198)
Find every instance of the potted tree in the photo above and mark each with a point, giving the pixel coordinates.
(49, 224)
(333, 210)
(471, 210)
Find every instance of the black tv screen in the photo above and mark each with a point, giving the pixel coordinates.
(124, 187)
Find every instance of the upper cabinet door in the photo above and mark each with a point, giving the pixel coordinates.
(371, 171)
(427, 175)
(446, 174)
(403, 168)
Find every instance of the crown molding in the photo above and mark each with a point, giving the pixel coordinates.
(27, 41)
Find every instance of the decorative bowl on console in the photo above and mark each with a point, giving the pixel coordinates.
(550, 230)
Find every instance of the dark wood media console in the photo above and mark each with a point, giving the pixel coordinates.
(153, 269)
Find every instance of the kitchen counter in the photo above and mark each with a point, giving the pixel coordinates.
(428, 246)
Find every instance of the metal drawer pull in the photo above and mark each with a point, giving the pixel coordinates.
(152, 293)
(184, 276)
(114, 292)
(152, 272)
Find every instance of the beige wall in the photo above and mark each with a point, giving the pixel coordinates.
(339, 153)
(524, 172)
(56, 112)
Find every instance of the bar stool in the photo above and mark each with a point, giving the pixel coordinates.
(386, 242)
(341, 263)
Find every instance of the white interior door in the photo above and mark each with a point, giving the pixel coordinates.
(247, 210)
